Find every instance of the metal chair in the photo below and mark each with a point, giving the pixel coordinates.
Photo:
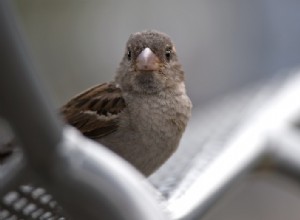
(59, 174)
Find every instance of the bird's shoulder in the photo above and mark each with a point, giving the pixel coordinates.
(96, 111)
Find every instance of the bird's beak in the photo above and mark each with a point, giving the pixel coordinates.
(147, 60)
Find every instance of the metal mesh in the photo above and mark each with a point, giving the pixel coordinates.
(30, 202)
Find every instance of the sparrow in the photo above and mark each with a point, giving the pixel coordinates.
(143, 113)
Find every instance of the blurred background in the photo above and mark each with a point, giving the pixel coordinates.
(223, 45)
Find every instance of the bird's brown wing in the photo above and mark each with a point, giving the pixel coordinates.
(96, 111)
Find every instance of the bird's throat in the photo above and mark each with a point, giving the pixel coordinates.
(148, 82)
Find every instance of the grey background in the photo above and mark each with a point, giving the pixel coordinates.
(222, 45)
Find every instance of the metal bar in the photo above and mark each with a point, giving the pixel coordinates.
(13, 173)
(94, 183)
(285, 151)
(193, 200)
(22, 101)
(256, 140)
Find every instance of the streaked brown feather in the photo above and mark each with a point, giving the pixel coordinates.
(95, 112)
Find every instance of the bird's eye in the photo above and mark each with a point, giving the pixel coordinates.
(168, 54)
(129, 54)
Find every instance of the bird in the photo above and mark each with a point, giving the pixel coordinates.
(142, 114)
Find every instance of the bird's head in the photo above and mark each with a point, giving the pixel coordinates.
(150, 64)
